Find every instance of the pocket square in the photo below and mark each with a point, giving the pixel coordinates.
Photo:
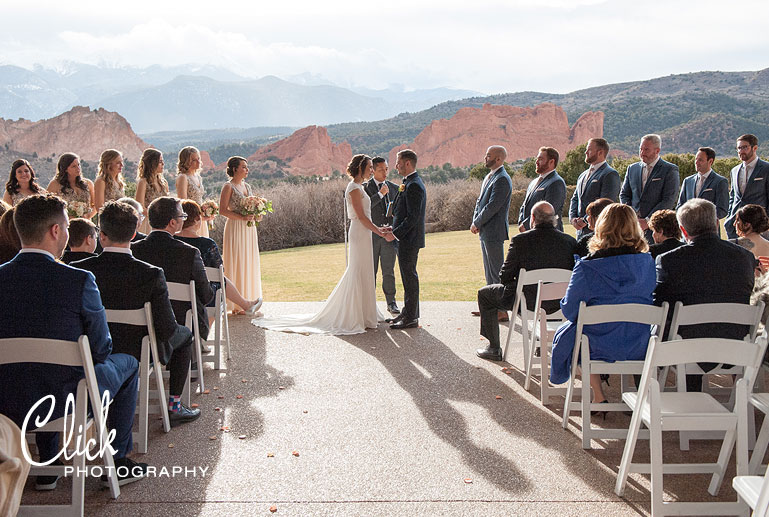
(540, 189)
(656, 179)
(707, 189)
(758, 179)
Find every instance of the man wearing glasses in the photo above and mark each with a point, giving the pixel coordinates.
(750, 181)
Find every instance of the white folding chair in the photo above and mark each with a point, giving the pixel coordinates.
(545, 326)
(520, 308)
(219, 313)
(149, 365)
(674, 411)
(186, 293)
(596, 314)
(65, 353)
(753, 492)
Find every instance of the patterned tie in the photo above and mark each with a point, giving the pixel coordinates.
(742, 178)
(698, 188)
(645, 176)
(587, 178)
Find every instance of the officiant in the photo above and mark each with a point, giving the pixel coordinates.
(382, 192)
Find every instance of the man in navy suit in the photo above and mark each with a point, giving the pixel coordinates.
(45, 299)
(750, 181)
(598, 181)
(409, 229)
(706, 184)
(651, 184)
(549, 186)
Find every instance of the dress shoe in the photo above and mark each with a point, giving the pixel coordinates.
(494, 354)
(133, 472)
(403, 324)
(183, 416)
(475, 313)
(44, 483)
(255, 307)
(392, 308)
(502, 316)
(395, 319)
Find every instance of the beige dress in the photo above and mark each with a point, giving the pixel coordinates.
(113, 191)
(196, 192)
(150, 195)
(74, 194)
(240, 246)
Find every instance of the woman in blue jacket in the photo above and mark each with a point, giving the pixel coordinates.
(618, 269)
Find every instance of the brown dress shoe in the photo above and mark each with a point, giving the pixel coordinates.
(502, 316)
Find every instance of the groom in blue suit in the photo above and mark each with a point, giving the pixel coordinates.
(706, 183)
(549, 186)
(750, 181)
(600, 180)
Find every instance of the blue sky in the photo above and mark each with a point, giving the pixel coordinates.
(489, 46)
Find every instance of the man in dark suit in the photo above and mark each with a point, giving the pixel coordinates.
(82, 240)
(45, 299)
(706, 184)
(598, 181)
(651, 184)
(180, 261)
(542, 247)
(549, 186)
(409, 229)
(706, 270)
(139, 209)
(665, 231)
(382, 193)
(750, 181)
(115, 269)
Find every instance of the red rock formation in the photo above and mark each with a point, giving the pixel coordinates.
(307, 151)
(463, 139)
(79, 130)
(206, 163)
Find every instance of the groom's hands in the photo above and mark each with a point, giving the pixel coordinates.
(387, 233)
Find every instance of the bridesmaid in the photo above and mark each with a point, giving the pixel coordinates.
(240, 242)
(21, 183)
(189, 184)
(70, 185)
(151, 183)
(109, 184)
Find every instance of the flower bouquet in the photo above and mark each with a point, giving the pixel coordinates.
(78, 208)
(256, 206)
(209, 209)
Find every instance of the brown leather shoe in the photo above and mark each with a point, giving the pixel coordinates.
(502, 316)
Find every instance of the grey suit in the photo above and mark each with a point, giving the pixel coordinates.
(384, 251)
(604, 182)
(660, 192)
(552, 189)
(715, 189)
(756, 192)
(490, 217)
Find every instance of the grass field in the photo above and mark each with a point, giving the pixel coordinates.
(450, 269)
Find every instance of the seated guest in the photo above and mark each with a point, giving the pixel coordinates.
(10, 244)
(706, 270)
(665, 232)
(82, 240)
(115, 270)
(750, 222)
(542, 247)
(617, 270)
(180, 261)
(140, 211)
(592, 212)
(209, 252)
(67, 305)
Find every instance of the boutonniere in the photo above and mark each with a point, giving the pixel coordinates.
(402, 187)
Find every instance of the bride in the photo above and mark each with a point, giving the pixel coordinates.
(351, 307)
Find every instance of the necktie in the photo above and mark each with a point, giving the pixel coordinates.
(742, 178)
(587, 178)
(645, 176)
(486, 181)
(698, 188)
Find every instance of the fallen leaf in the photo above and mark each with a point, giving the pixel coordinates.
(468, 481)
(295, 453)
(220, 397)
(217, 409)
(459, 328)
(281, 387)
(212, 438)
(242, 437)
(243, 380)
(270, 455)
(170, 446)
(305, 411)
(499, 397)
(194, 405)
(224, 428)
(206, 392)
(216, 387)
(273, 509)
(239, 397)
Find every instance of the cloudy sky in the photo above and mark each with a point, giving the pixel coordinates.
(487, 46)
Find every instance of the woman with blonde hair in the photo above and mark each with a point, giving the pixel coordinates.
(151, 183)
(109, 184)
(617, 270)
(21, 183)
(189, 184)
(70, 185)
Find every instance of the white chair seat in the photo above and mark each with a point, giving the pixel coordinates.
(760, 401)
(749, 488)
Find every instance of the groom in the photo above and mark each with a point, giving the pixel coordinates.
(409, 230)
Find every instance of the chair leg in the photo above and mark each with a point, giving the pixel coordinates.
(586, 421)
(759, 450)
(544, 368)
(226, 329)
(144, 398)
(530, 362)
(723, 460)
(655, 449)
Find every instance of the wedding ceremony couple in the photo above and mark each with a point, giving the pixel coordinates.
(351, 307)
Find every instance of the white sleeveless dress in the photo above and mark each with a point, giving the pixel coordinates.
(351, 307)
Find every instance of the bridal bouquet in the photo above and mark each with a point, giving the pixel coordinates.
(256, 206)
(78, 208)
(209, 209)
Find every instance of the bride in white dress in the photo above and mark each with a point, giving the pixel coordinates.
(351, 307)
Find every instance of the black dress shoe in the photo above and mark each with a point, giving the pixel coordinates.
(403, 324)
(494, 354)
(183, 416)
(392, 308)
(133, 471)
(395, 319)
(44, 483)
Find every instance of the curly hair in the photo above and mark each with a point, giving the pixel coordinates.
(185, 154)
(192, 209)
(65, 160)
(233, 163)
(357, 165)
(617, 227)
(13, 187)
(105, 160)
(751, 218)
(666, 223)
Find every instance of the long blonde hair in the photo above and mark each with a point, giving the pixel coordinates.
(184, 157)
(617, 226)
(106, 158)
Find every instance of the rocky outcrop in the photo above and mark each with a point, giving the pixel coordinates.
(306, 152)
(206, 163)
(78, 130)
(463, 139)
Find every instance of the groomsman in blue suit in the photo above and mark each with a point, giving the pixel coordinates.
(651, 184)
(598, 181)
(549, 186)
(750, 181)
(706, 183)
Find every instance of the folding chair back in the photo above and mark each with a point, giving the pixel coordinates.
(219, 314)
(754, 492)
(186, 293)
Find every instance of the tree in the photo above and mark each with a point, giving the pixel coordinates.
(572, 165)
(529, 168)
(479, 171)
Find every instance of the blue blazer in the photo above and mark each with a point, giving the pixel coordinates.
(715, 190)
(45, 299)
(756, 192)
(552, 189)
(409, 213)
(492, 208)
(604, 182)
(660, 192)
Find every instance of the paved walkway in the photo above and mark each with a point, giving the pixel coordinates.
(384, 423)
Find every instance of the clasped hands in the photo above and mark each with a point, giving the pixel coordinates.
(387, 233)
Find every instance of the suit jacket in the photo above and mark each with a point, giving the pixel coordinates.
(604, 182)
(139, 236)
(379, 204)
(552, 189)
(756, 192)
(715, 190)
(45, 299)
(493, 206)
(180, 263)
(664, 246)
(409, 213)
(660, 192)
(70, 256)
(543, 247)
(128, 283)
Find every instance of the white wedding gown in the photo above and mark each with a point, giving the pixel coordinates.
(351, 307)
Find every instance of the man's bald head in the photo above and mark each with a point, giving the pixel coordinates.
(543, 214)
(495, 157)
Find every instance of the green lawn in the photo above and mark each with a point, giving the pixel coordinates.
(450, 269)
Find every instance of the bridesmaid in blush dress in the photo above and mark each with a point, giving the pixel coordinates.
(151, 183)
(21, 183)
(70, 185)
(189, 184)
(109, 184)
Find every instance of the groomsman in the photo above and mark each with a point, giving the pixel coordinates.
(598, 181)
(706, 184)
(549, 186)
(651, 184)
(750, 181)
(382, 193)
